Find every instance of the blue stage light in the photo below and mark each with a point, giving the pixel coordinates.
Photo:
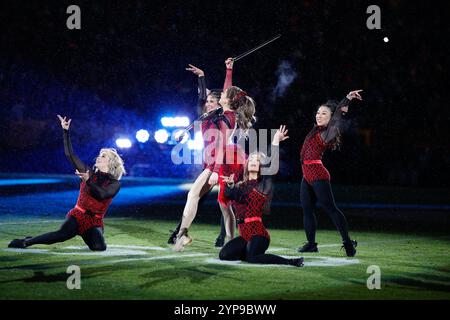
(161, 136)
(16, 182)
(142, 135)
(123, 143)
(175, 121)
(167, 121)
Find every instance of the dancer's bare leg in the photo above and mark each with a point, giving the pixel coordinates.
(198, 190)
(229, 220)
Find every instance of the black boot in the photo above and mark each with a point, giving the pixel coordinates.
(173, 236)
(349, 247)
(309, 247)
(18, 243)
(220, 241)
(297, 262)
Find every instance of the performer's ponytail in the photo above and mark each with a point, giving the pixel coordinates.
(244, 106)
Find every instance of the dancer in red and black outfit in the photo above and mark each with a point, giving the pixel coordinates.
(208, 102)
(315, 185)
(250, 198)
(238, 111)
(97, 190)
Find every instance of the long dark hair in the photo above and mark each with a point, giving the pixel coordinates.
(261, 155)
(337, 141)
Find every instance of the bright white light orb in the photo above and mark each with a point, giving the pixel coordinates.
(123, 143)
(142, 135)
(161, 136)
(175, 121)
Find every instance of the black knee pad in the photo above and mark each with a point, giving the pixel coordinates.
(223, 255)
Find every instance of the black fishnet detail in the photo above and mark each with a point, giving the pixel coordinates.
(313, 149)
(251, 205)
(93, 206)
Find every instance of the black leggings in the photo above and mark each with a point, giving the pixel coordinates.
(223, 232)
(252, 251)
(320, 192)
(93, 237)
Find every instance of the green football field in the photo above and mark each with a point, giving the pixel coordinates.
(139, 264)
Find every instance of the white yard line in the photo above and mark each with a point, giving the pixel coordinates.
(48, 221)
(275, 249)
(319, 261)
(172, 256)
(121, 247)
(30, 222)
(87, 252)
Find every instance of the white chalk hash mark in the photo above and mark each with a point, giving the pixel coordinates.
(174, 256)
(108, 253)
(322, 262)
(121, 247)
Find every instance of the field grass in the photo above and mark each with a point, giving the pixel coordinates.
(140, 265)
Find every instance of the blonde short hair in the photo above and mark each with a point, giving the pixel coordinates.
(116, 166)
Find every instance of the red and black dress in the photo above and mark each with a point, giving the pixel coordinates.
(95, 195)
(315, 186)
(86, 218)
(316, 143)
(93, 201)
(222, 121)
(311, 156)
(249, 200)
(233, 156)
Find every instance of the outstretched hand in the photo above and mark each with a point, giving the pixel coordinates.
(180, 135)
(65, 124)
(280, 135)
(83, 175)
(195, 70)
(229, 63)
(228, 180)
(354, 94)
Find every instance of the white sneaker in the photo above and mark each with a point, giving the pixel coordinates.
(182, 241)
